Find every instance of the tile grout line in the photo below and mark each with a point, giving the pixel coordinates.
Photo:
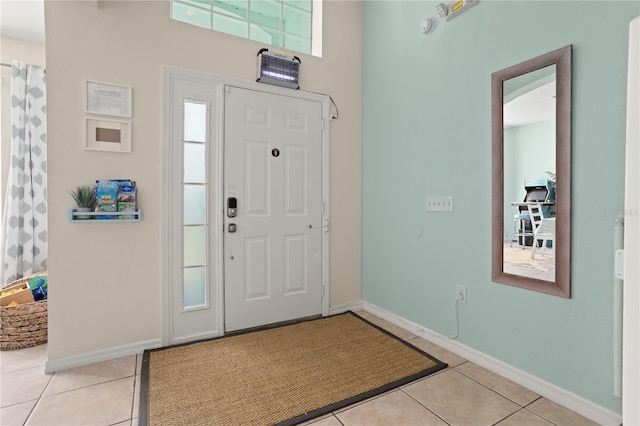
(335, 416)
(510, 415)
(88, 386)
(130, 419)
(135, 382)
(536, 414)
(522, 407)
(496, 392)
(424, 406)
(39, 397)
(402, 389)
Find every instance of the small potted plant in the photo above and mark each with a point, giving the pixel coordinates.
(85, 198)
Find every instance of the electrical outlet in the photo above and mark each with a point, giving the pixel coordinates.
(440, 204)
(461, 294)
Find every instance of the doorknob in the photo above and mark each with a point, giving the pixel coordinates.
(232, 228)
(232, 207)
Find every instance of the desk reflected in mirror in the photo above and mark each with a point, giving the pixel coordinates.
(533, 232)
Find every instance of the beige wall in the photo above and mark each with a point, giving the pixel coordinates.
(12, 50)
(105, 278)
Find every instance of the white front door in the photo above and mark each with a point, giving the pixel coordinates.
(273, 180)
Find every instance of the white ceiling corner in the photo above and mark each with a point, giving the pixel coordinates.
(23, 20)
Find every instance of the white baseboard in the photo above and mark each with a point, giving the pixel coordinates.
(338, 309)
(65, 363)
(59, 364)
(580, 405)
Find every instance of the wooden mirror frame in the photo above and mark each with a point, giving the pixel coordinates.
(561, 58)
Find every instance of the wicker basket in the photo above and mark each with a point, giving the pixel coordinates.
(23, 325)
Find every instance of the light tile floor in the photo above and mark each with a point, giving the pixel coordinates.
(107, 393)
(545, 261)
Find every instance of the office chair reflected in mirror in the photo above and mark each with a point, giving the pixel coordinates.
(544, 230)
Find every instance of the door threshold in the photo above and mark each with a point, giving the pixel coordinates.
(273, 325)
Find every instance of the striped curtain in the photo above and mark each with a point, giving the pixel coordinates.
(25, 236)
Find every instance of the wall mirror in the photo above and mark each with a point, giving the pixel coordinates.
(531, 206)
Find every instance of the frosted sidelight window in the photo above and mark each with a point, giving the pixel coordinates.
(195, 285)
(195, 209)
(195, 122)
(195, 245)
(194, 163)
(195, 227)
(281, 23)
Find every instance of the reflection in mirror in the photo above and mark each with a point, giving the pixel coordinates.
(529, 138)
(531, 173)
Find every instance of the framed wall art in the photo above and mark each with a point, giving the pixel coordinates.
(108, 135)
(108, 99)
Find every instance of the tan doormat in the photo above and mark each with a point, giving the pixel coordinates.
(283, 375)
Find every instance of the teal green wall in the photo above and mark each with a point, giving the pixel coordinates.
(427, 131)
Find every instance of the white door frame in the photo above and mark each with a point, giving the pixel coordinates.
(631, 308)
(170, 75)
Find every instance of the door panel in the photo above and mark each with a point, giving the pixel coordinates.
(295, 174)
(295, 280)
(256, 268)
(273, 164)
(257, 169)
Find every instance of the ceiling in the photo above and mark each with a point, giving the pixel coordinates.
(23, 20)
(533, 106)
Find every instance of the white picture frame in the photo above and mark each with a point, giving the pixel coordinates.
(108, 99)
(107, 135)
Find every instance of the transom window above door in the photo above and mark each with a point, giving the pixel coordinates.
(290, 24)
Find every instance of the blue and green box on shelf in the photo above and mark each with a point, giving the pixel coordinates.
(108, 196)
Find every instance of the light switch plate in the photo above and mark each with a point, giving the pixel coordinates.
(440, 204)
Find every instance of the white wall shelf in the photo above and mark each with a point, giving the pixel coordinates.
(94, 216)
